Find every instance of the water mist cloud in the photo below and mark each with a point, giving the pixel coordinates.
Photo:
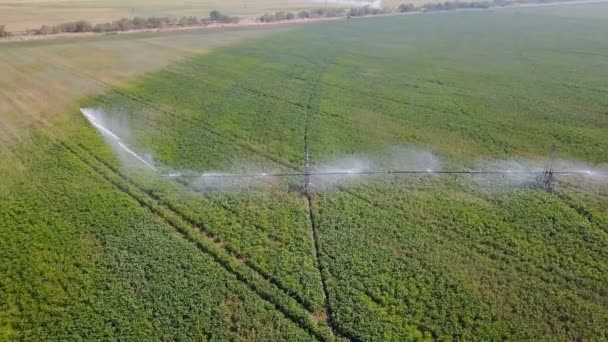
(112, 129)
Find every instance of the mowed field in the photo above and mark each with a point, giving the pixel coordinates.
(95, 246)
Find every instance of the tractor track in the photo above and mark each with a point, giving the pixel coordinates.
(205, 242)
(259, 93)
(323, 271)
(582, 211)
(274, 293)
(338, 117)
(306, 303)
(206, 231)
(210, 245)
(371, 95)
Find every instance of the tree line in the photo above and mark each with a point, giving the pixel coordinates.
(315, 13)
(362, 11)
(128, 24)
(403, 8)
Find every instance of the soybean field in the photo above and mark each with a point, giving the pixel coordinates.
(96, 244)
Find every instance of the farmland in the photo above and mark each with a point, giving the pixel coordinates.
(116, 251)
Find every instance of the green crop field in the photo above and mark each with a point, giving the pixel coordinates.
(94, 245)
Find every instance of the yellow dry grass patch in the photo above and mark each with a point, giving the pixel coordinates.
(43, 81)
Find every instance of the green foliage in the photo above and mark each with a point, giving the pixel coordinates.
(84, 260)
(113, 251)
(363, 11)
(303, 15)
(218, 17)
(281, 16)
(443, 261)
(453, 5)
(327, 12)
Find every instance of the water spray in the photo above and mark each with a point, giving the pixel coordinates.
(545, 178)
(379, 172)
(87, 112)
(136, 156)
(104, 131)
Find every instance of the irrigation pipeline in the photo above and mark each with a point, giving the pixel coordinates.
(379, 172)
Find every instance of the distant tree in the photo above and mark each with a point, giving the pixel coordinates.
(140, 22)
(404, 8)
(44, 29)
(290, 16)
(189, 21)
(3, 32)
(75, 26)
(83, 26)
(216, 16)
(279, 16)
(267, 18)
(362, 11)
(106, 27)
(319, 12)
(303, 14)
(124, 24)
(154, 22)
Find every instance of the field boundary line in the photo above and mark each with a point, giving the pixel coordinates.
(323, 271)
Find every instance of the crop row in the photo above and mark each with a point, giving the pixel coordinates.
(186, 219)
(212, 244)
(208, 244)
(416, 273)
(586, 284)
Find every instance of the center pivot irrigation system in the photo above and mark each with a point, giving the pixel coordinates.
(544, 178)
(379, 172)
